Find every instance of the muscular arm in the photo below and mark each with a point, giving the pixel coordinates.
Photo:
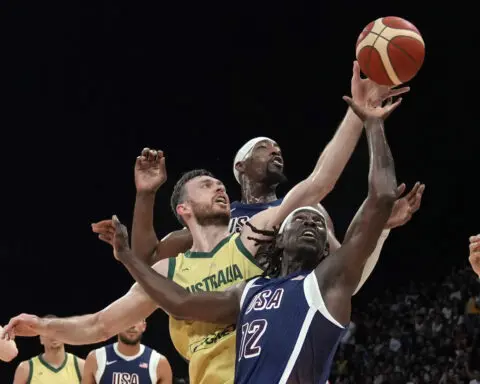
(339, 275)
(213, 307)
(90, 369)
(144, 239)
(318, 184)
(8, 349)
(100, 326)
(22, 373)
(164, 372)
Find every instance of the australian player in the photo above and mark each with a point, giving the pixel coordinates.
(8, 349)
(53, 366)
(127, 361)
(289, 326)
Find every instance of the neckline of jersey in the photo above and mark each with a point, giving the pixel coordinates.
(206, 255)
(50, 367)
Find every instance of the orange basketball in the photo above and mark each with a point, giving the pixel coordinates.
(390, 50)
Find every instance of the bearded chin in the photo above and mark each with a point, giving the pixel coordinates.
(206, 216)
(273, 177)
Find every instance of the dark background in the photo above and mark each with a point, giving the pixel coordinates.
(85, 86)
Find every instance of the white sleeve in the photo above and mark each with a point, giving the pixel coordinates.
(372, 260)
(153, 364)
(101, 356)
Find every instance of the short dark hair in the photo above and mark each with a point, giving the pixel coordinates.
(178, 194)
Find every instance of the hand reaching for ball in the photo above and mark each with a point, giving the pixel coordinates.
(370, 112)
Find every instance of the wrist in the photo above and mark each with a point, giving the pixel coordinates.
(146, 194)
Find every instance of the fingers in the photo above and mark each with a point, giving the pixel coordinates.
(397, 92)
(356, 71)
(401, 189)
(390, 108)
(474, 238)
(107, 238)
(418, 198)
(116, 223)
(354, 106)
(474, 247)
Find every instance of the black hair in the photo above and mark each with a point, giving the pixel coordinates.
(178, 194)
(269, 255)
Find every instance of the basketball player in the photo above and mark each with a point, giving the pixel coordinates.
(53, 366)
(216, 261)
(8, 349)
(474, 257)
(258, 168)
(290, 325)
(127, 361)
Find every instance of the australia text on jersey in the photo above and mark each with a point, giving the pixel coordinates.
(223, 277)
(253, 331)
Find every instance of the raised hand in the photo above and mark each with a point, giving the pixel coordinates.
(474, 256)
(366, 91)
(150, 171)
(405, 206)
(370, 111)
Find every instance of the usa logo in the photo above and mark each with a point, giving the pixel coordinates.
(143, 365)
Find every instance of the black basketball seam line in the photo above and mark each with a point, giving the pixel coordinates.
(371, 47)
(395, 45)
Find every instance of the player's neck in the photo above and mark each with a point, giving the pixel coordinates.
(205, 238)
(55, 356)
(254, 192)
(289, 265)
(128, 350)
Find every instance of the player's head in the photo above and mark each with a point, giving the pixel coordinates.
(48, 343)
(301, 241)
(198, 196)
(133, 335)
(259, 160)
(303, 236)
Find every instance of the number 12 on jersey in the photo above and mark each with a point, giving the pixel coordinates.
(251, 334)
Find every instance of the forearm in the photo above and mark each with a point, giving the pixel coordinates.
(382, 181)
(77, 330)
(174, 299)
(338, 151)
(144, 238)
(372, 260)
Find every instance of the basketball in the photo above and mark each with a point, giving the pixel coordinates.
(390, 51)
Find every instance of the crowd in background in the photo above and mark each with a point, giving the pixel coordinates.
(425, 333)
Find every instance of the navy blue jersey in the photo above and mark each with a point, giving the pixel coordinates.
(240, 213)
(115, 368)
(285, 333)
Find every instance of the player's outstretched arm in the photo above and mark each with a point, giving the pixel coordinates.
(8, 349)
(339, 275)
(150, 174)
(86, 329)
(22, 373)
(212, 307)
(332, 160)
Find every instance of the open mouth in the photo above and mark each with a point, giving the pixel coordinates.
(222, 200)
(308, 234)
(277, 162)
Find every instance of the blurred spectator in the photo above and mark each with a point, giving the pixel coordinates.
(420, 334)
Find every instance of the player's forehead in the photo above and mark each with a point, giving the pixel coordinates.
(203, 180)
(266, 143)
(309, 214)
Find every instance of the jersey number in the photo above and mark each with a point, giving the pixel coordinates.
(251, 335)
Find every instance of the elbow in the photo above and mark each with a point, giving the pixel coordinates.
(102, 329)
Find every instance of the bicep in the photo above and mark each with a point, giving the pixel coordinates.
(164, 371)
(133, 307)
(89, 369)
(173, 244)
(22, 373)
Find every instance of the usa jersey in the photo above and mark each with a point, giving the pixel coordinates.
(113, 367)
(285, 333)
(240, 213)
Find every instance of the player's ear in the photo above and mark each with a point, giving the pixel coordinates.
(183, 209)
(240, 166)
(280, 241)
